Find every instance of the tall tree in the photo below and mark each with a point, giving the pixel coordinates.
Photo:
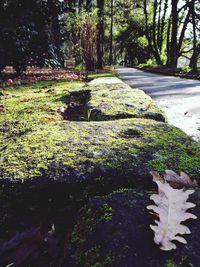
(176, 42)
(173, 53)
(193, 61)
(88, 5)
(111, 32)
(154, 30)
(152, 37)
(55, 10)
(100, 33)
(162, 24)
(30, 33)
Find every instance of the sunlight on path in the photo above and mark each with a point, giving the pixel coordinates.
(178, 97)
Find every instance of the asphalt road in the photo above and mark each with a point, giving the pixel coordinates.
(178, 97)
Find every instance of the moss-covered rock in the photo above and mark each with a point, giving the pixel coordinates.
(112, 99)
(37, 144)
(50, 165)
(114, 231)
(112, 153)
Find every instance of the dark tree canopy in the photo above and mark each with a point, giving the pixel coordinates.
(30, 33)
(95, 33)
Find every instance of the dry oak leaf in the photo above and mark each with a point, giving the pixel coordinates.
(176, 181)
(171, 207)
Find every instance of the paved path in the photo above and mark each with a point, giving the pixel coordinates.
(178, 97)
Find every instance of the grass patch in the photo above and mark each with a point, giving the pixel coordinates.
(106, 73)
(31, 106)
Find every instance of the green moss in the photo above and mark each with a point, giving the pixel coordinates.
(26, 108)
(85, 146)
(35, 141)
(174, 152)
(132, 151)
(42, 166)
(91, 257)
(106, 102)
(110, 73)
(27, 111)
(97, 156)
(158, 165)
(69, 162)
(171, 263)
(181, 263)
(107, 212)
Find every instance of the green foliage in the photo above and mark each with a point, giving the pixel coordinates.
(27, 33)
(150, 63)
(84, 42)
(130, 37)
(80, 67)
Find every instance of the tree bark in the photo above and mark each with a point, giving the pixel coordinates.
(111, 32)
(100, 33)
(159, 25)
(173, 53)
(155, 46)
(152, 48)
(168, 38)
(162, 27)
(182, 35)
(193, 61)
(88, 5)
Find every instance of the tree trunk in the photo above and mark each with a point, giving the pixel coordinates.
(58, 40)
(159, 25)
(168, 39)
(100, 33)
(153, 49)
(182, 35)
(162, 27)
(155, 46)
(173, 53)
(193, 61)
(56, 32)
(111, 32)
(88, 5)
(80, 5)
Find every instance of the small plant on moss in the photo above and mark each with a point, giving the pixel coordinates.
(89, 112)
(108, 212)
(172, 263)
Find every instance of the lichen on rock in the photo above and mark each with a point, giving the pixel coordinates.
(37, 144)
(112, 99)
(55, 164)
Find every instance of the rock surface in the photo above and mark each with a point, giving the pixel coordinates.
(112, 99)
(109, 154)
(113, 153)
(54, 156)
(114, 231)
